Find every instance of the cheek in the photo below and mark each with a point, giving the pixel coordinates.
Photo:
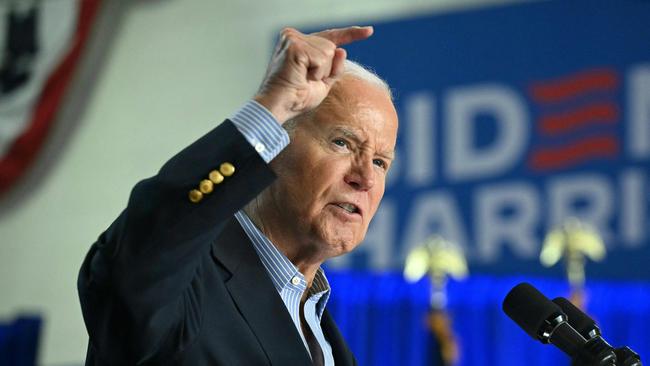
(325, 178)
(310, 191)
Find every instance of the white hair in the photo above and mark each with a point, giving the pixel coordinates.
(358, 71)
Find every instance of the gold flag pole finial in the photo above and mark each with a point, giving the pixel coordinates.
(439, 259)
(574, 241)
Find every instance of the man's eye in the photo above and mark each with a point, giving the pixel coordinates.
(340, 142)
(380, 163)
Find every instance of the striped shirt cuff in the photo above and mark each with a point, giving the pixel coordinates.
(261, 130)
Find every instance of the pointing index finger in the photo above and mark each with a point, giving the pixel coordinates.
(343, 36)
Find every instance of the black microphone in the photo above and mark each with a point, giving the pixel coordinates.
(545, 321)
(587, 327)
(584, 324)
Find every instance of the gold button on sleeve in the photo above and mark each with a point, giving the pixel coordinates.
(227, 169)
(195, 195)
(206, 186)
(215, 177)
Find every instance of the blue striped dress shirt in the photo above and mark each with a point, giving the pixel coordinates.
(265, 134)
(261, 130)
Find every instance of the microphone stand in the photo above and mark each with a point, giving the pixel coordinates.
(547, 321)
(596, 352)
(587, 328)
(592, 352)
(626, 357)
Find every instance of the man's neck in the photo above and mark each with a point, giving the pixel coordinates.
(307, 260)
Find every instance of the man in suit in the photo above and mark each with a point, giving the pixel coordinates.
(216, 259)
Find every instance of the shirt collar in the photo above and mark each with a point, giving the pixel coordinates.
(320, 291)
(280, 268)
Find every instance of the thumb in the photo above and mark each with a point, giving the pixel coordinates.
(338, 66)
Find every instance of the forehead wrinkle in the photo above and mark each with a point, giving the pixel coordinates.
(349, 132)
(334, 103)
(339, 106)
(390, 155)
(342, 102)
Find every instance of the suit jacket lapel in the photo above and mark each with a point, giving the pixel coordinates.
(342, 354)
(257, 298)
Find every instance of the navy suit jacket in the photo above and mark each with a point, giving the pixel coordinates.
(172, 282)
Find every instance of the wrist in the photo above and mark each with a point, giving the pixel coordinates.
(274, 106)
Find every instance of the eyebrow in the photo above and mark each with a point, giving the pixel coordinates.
(352, 135)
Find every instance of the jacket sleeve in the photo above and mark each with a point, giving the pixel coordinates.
(138, 284)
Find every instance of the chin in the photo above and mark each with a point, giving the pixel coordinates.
(342, 244)
(337, 239)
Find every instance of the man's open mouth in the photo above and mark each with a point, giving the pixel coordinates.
(349, 207)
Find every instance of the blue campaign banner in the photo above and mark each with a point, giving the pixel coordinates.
(514, 119)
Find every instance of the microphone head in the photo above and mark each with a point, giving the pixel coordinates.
(580, 321)
(530, 309)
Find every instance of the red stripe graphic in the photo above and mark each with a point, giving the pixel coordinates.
(26, 148)
(592, 114)
(574, 85)
(574, 153)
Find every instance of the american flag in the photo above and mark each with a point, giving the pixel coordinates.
(41, 44)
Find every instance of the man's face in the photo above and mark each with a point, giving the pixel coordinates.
(331, 177)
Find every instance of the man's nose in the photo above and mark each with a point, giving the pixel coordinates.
(361, 175)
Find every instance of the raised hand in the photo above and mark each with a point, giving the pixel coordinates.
(303, 69)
